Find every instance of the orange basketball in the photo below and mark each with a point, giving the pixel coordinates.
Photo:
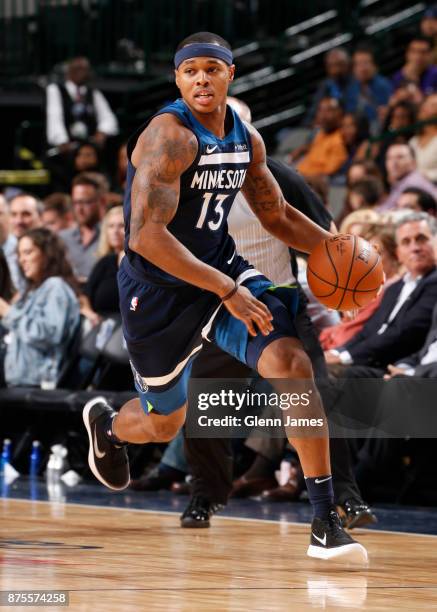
(345, 272)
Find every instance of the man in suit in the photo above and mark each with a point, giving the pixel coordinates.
(399, 327)
(423, 363)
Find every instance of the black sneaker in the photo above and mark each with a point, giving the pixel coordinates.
(356, 514)
(109, 463)
(198, 512)
(330, 541)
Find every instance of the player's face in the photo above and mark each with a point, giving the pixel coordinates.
(204, 82)
(415, 248)
(31, 259)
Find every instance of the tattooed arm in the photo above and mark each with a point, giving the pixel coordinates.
(163, 152)
(266, 200)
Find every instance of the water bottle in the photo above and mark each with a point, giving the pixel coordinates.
(6, 454)
(35, 458)
(56, 463)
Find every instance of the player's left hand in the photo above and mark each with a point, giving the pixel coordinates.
(245, 307)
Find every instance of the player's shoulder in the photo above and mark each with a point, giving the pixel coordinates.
(257, 142)
(167, 132)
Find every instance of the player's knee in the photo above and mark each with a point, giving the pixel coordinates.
(293, 363)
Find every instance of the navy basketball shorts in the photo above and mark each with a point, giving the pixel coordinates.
(164, 329)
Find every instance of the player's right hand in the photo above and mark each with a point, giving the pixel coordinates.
(245, 307)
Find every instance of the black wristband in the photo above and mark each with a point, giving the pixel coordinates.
(231, 293)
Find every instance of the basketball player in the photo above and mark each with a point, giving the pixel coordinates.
(182, 280)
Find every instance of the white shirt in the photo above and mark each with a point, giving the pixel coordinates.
(409, 286)
(55, 125)
(426, 157)
(265, 252)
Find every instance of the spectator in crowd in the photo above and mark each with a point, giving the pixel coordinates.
(338, 78)
(397, 128)
(76, 111)
(337, 335)
(327, 152)
(369, 92)
(88, 198)
(44, 320)
(402, 173)
(418, 200)
(399, 326)
(25, 212)
(57, 214)
(359, 170)
(424, 144)
(359, 221)
(366, 193)
(428, 27)
(100, 297)
(355, 134)
(87, 158)
(418, 68)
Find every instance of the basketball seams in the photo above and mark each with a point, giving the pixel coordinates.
(349, 273)
(368, 272)
(332, 263)
(323, 281)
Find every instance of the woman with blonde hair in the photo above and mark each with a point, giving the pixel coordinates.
(100, 297)
(359, 221)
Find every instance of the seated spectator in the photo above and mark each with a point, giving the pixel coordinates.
(338, 78)
(428, 27)
(327, 152)
(337, 335)
(366, 193)
(397, 128)
(42, 323)
(76, 111)
(369, 92)
(402, 173)
(355, 134)
(418, 68)
(359, 170)
(100, 297)
(359, 222)
(418, 200)
(424, 144)
(87, 159)
(25, 212)
(88, 198)
(400, 324)
(57, 214)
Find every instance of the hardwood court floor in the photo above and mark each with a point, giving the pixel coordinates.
(123, 559)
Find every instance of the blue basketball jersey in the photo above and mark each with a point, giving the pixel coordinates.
(207, 190)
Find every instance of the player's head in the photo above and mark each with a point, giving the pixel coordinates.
(204, 69)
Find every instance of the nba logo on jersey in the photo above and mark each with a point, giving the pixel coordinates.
(134, 303)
